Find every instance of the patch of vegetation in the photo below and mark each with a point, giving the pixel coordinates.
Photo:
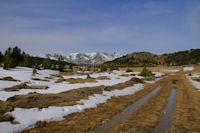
(196, 79)
(38, 79)
(88, 76)
(103, 78)
(146, 73)
(6, 117)
(79, 80)
(129, 70)
(9, 79)
(25, 86)
(103, 68)
(34, 72)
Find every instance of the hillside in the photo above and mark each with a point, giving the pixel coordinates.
(148, 59)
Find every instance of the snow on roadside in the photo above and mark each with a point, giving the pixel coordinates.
(158, 74)
(170, 70)
(28, 117)
(185, 69)
(152, 81)
(195, 83)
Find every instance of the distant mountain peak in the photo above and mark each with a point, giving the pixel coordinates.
(85, 58)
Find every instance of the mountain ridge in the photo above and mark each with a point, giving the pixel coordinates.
(84, 58)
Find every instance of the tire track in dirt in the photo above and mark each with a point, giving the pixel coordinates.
(147, 117)
(119, 118)
(165, 123)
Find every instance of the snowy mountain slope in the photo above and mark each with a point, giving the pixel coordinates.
(84, 58)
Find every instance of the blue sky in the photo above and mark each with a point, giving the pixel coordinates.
(124, 26)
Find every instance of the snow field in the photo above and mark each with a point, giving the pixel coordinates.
(28, 117)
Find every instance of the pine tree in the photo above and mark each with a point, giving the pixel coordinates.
(25, 61)
(16, 56)
(145, 72)
(47, 63)
(34, 71)
(103, 68)
(88, 76)
(61, 64)
(7, 58)
(1, 57)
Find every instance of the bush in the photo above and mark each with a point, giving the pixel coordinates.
(145, 72)
(34, 71)
(113, 67)
(88, 76)
(129, 70)
(103, 68)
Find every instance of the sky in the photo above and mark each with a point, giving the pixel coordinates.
(123, 26)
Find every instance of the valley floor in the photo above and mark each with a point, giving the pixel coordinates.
(105, 104)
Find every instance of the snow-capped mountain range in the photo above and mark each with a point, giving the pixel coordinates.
(84, 58)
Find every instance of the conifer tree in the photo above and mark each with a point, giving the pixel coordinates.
(7, 58)
(102, 68)
(34, 71)
(16, 57)
(145, 72)
(61, 64)
(47, 63)
(25, 61)
(1, 57)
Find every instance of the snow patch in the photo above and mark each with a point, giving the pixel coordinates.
(195, 83)
(28, 117)
(185, 69)
(170, 70)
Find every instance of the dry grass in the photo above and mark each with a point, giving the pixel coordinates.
(65, 73)
(196, 79)
(61, 99)
(88, 120)
(38, 79)
(6, 117)
(187, 111)
(75, 80)
(9, 79)
(61, 79)
(146, 118)
(126, 75)
(103, 78)
(25, 86)
(153, 69)
(79, 80)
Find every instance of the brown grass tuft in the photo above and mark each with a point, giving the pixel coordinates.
(25, 86)
(8, 79)
(103, 78)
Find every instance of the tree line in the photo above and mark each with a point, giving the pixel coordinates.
(13, 57)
